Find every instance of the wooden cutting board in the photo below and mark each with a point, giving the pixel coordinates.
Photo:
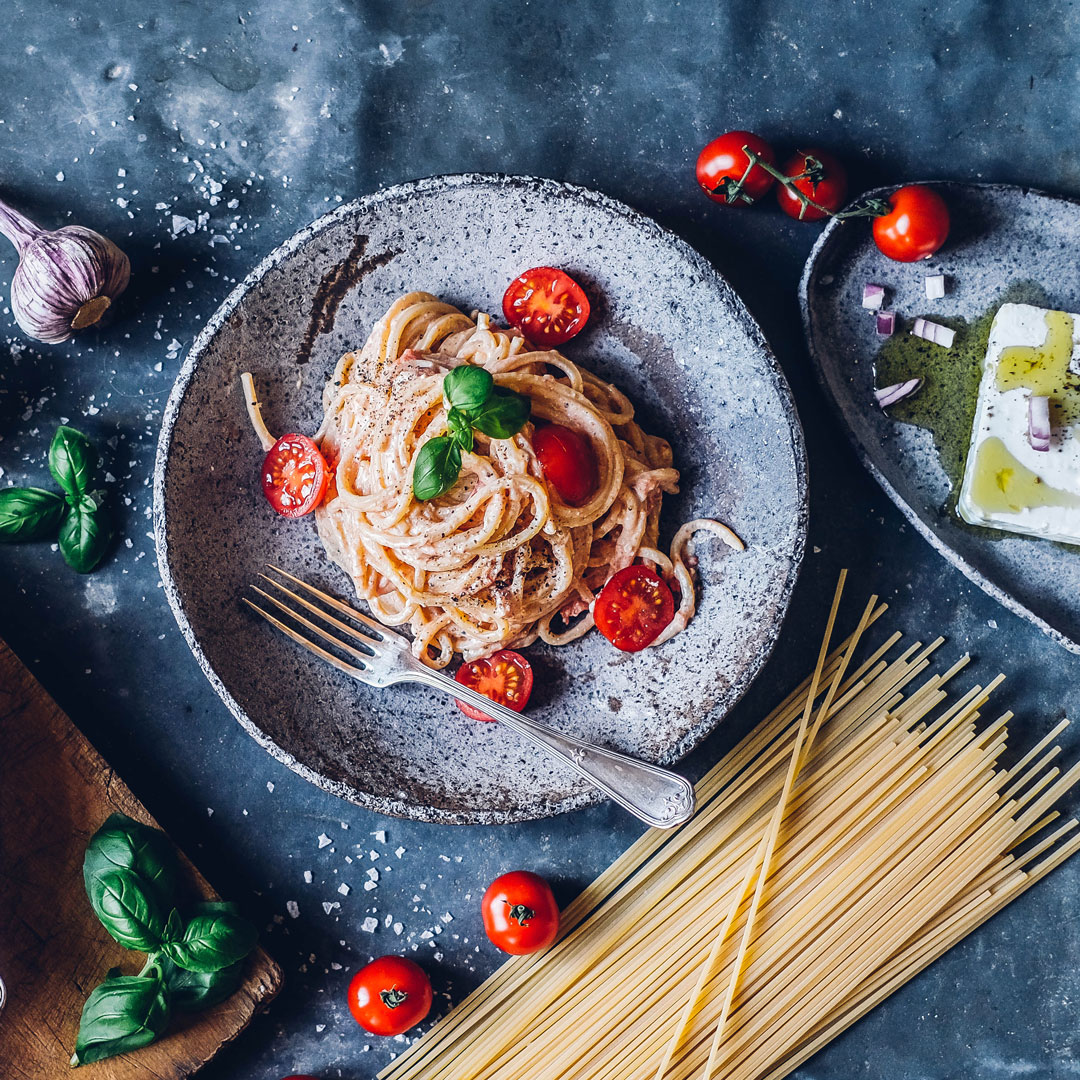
(55, 790)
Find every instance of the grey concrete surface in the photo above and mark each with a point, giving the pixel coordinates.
(124, 114)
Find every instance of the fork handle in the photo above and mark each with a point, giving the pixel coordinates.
(658, 797)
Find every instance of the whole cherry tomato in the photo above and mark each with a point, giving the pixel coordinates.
(294, 476)
(633, 608)
(505, 677)
(568, 461)
(722, 168)
(821, 178)
(547, 305)
(389, 995)
(520, 913)
(917, 226)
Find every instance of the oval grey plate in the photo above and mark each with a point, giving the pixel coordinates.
(666, 327)
(1000, 236)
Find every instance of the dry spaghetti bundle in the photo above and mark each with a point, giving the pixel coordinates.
(859, 832)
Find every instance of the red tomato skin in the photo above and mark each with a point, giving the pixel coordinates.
(633, 608)
(568, 462)
(520, 887)
(917, 226)
(477, 671)
(534, 298)
(831, 192)
(724, 159)
(385, 974)
(290, 452)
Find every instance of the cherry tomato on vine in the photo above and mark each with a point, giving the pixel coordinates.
(505, 677)
(568, 462)
(389, 995)
(633, 608)
(917, 226)
(722, 169)
(547, 305)
(294, 476)
(520, 913)
(826, 185)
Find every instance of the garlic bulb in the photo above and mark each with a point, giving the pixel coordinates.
(65, 281)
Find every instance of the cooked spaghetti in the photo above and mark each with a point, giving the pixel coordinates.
(499, 560)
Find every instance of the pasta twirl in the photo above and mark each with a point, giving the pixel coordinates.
(499, 560)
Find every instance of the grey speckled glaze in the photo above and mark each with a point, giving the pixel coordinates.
(1000, 235)
(666, 327)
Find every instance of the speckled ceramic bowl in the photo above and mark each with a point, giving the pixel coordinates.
(665, 326)
(1002, 238)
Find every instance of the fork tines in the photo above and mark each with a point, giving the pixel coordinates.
(372, 637)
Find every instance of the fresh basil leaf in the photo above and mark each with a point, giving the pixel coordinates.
(125, 844)
(437, 467)
(71, 461)
(84, 537)
(467, 387)
(192, 991)
(122, 1014)
(460, 428)
(29, 514)
(215, 907)
(128, 909)
(212, 942)
(504, 414)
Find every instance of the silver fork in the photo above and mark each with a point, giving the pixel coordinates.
(658, 797)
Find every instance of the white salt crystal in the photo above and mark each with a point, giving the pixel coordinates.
(293, 908)
(324, 841)
(369, 925)
(343, 889)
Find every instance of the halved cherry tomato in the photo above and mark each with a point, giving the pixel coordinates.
(633, 607)
(505, 677)
(389, 995)
(917, 226)
(722, 165)
(547, 305)
(826, 185)
(568, 462)
(520, 913)
(294, 476)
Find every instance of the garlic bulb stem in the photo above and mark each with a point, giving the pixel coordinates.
(18, 228)
(66, 279)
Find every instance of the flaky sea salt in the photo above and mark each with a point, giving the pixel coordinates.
(369, 925)
(324, 841)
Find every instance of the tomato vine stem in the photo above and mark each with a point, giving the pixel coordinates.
(813, 171)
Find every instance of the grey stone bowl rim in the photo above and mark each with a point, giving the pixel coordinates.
(1001, 595)
(383, 804)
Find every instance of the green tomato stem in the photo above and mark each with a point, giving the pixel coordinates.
(871, 208)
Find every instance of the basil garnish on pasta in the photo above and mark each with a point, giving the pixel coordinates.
(473, 401)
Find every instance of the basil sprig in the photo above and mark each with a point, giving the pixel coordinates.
(131, 877)
(75, 518)
(473, 402)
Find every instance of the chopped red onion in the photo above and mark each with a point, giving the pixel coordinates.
(890, 395)
(873, 296)
(1039, 422)
(935, 286)
(935, 332)
(886, 323)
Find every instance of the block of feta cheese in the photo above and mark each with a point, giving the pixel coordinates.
(1008, 484)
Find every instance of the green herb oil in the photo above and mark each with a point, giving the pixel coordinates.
(945, 403)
